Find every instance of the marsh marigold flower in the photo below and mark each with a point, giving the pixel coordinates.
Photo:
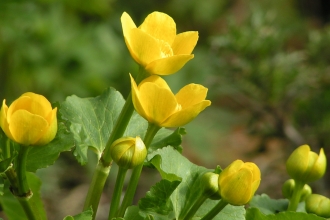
(154, 101)
(238, 182)
(128, 152)
(306, 166)
(155, 44)
(29, 120)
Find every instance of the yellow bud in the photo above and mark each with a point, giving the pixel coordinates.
(306, 166)
(29, 120)
(319, 205)
(210, 185)
(128, 152)
(288, 187)
(238, 182)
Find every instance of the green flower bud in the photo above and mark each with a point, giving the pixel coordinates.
(210, 185)
(319, 205)
(238, 182)
(306, 166)
(288, 187)
(128, 152)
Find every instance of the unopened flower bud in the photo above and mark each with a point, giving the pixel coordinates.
(238, 182)
(306, 166)
(288, 188)
(319, 205)
(128, 152)
(210, 185)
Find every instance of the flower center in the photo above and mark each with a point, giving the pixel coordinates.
(165, 49)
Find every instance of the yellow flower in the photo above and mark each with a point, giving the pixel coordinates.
(154, 100)
(29, 120)
(238, 182)
(155, 44)
(306, 166)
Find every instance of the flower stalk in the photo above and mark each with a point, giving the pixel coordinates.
(131, 188)
(104, 165)
(20, 187)
(297, 192)
(117, 192)
(216, 209)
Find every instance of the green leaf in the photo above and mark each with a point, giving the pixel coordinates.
(256, 214)
(92, 120)
(133, 213)
(157, 199)
(267, 205)
(11, 206)
(166, 137)
(86, 215)
(228, 213)
(44, 156)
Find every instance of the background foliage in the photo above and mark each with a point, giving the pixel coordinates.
(266, 64)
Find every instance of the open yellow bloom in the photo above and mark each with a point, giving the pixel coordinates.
(29, 120)
(154, 100)
(238, 182)
(155, 44)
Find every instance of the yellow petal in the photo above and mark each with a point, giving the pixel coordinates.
(158, 103)
(33, 103)
(186, 115)
(190, 95)
(231, 170)
(160, 26)
(255, 170)
(27, 128)
(142, 47)
(297, 163)
(168, 65)
(127, 23)
(3, 120)
(237, 189)
(51, 131)
(136, 99)
(319, 167)
(185, 42)
(159, 81)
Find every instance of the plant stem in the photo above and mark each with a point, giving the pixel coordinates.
(192, 211)
(104, 165)
(117, 192)
(216, 209)
(134, 180)
(294, 200)
(96, 187)
(20, 187)
(23, 187)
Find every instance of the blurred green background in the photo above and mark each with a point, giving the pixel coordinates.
(266, 64)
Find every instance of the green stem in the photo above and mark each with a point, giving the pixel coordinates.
(134, 180)
(96, 187)
(104, 165)
(20, 187)
(23, 187)
(294, 200)
(216, 209)
(117, 192)
(192, 211)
